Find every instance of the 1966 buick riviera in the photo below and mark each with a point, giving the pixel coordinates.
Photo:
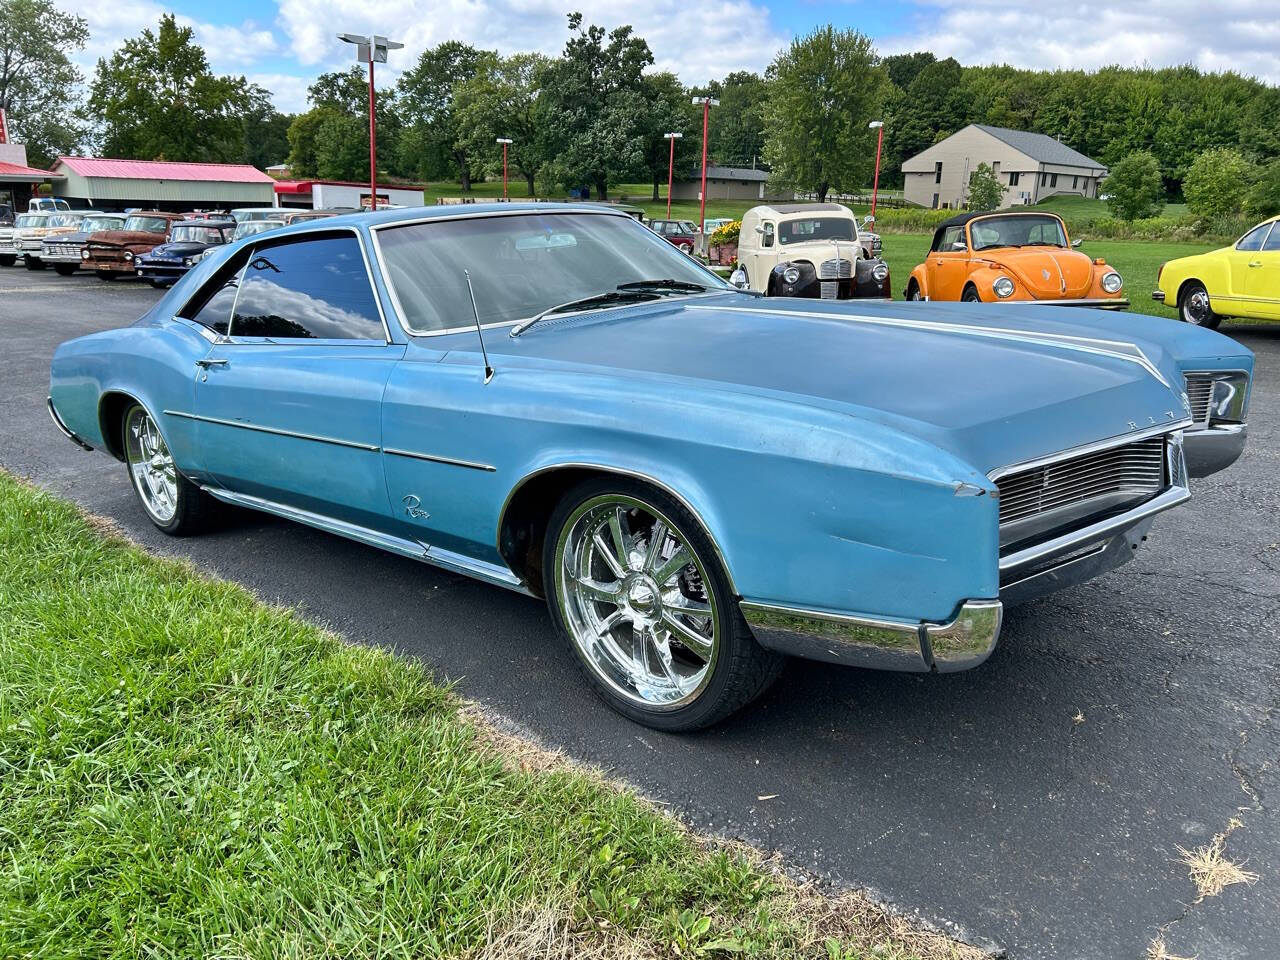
(699, 480)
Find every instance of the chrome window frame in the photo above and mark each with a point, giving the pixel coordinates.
(376, 229)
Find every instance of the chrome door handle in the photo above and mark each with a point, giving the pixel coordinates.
(211, 362)
(1255, 263)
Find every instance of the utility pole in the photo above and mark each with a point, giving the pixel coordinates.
(505, 141)
(877, 125)
(368, 50)
(671, 163)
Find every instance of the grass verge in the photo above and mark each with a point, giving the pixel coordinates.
(187, 772)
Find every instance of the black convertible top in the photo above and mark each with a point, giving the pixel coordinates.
(960, 219)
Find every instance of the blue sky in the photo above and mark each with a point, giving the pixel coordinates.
(283, 44)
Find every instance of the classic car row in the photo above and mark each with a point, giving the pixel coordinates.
(150, 244)
(699, 480)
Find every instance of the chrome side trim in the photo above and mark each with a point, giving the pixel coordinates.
(63, 428)
(864, 641)
(414, 549)
(372, 448)
(579, 465)
(1095, 447)
(451, 461)
(1111, 348)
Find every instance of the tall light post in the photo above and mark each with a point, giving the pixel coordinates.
(505, 141)
(671, 164)
(877, 125)
(368, 50)
(706, 103)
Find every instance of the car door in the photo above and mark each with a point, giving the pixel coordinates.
(947, 268)
(288, 403)
(1262, 278)
(762, 255)
(1242, 260)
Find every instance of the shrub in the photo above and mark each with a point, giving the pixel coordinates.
(985, 189)
(1263, 198)
(1136, 190)
(1217, 182)
(910, 219)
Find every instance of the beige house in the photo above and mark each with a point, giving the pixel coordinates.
(1030, 166)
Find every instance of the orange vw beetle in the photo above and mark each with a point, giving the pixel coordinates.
(1011, 256)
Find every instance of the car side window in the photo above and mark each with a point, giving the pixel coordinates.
(950, 237)
(1253, 239)
(310, 288)
(767, 239)
(1272, 243)
(211, 307)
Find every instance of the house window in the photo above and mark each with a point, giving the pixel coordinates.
(1044, 179)
(1013, 179)
(1053, 180)
(1075, 182)
(937, 173)
(935, 201)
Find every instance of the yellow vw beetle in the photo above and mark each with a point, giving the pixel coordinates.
(1242, 280)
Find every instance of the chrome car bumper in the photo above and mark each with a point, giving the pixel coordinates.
(1105, 303)
(963, 642)
(1157, 296)
(1214, 448)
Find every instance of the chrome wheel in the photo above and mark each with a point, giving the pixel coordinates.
(636, 601)
(151, 466)
(1195, 307)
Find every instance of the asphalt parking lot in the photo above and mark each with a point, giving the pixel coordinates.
(1037, 803)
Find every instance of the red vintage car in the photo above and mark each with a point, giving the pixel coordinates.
(111, 253)
(680, 232)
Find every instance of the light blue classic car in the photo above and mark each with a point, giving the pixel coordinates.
(699, 480)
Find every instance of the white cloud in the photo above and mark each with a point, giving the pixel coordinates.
(1239, 35)
(288, 91)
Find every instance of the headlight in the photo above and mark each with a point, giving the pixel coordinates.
(1003, 287)
(128, 256)
(84, 254)
(187, 261)
(880, 272)
(1111, 282)
(791, 274)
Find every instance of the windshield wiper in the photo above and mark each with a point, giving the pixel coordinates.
(597, 300)
(665, 284)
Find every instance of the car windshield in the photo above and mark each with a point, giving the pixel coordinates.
(94, 224)
(816, 228)
(522, 265)
(147, 224)
(193, 234)
(65, 219)
(248, 228)
(242, 216)
(30, 220)
(1017, 231)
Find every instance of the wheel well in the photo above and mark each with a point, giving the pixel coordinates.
(970, 286)
(1182, 287)
(523, 526)
(912, 284)
(111, 410)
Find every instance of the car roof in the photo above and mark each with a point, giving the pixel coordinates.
(970, 215)
(210, 222)
(381, 218)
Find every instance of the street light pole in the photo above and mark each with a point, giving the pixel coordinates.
(878, 126)
(707, 103)
(671, 164)
(505, 141)
(369, 49)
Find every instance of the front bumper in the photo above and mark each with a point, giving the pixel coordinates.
(1103, 303)
(1157, 296)
(108, 266)
(9, 250)
(1214, 448)
(165, 272)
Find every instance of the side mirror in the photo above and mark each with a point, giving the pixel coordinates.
(959, 246)
(739, 279)
(1076, 243)
(759, 229)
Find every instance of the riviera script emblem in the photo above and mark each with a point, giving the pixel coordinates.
(413, 507)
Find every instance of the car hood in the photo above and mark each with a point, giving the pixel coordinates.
(1050, 273)
(78, 237)
(125, 238)
(818, 250)
(184, 248)
(994, 388)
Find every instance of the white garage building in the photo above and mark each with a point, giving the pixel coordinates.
(107, 184)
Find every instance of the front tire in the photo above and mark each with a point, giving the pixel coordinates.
(8, 260)
(971, 295)
(33, 263)
(65, 269)
(171, 501)
(104, 274)
(913, 291)
(1194, 306)
(660, 640)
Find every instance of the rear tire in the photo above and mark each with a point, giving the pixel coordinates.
(33, 263)
(1194, 306)
(65, 269)
(666, 647)
(172, 502)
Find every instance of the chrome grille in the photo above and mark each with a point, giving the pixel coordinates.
(1200, 393)
(1135, 469)
(841, 269)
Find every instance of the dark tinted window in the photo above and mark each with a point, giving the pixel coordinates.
(212, 305)
(313, 289)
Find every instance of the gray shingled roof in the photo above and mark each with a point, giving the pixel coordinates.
(1039, 147)
(730, 173)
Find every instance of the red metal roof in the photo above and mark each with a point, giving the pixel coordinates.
(29, 173)
(164, 170)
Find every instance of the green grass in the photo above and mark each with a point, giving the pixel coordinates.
(187, 772)
(1136, 261)
(1072, 207)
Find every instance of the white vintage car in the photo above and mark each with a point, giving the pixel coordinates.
(811, 250)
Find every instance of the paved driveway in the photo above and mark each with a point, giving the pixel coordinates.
(1036, 803)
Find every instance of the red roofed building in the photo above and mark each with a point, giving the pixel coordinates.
(160, 184)
(17, 180)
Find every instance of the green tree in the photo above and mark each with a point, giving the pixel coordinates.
(38, 81)
(905, 67)
(501, 100)
(932, 107)
(265, 130)
(1217, 182)
(736, 130)
(824, 90)
(158, 100)
(1135, 187)
(595, 106)
(670, 111)
(331, 140)
(426, 94)
(1263, 199)
(985, 189)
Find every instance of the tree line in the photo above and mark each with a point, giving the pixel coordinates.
(595, 115)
